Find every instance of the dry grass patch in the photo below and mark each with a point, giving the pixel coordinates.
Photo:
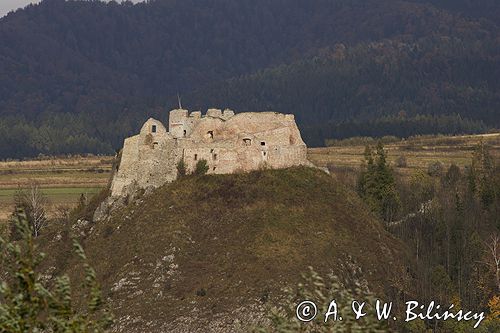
(419, 152)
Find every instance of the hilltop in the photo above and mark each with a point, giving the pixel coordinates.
(213, 252)
(424, 66)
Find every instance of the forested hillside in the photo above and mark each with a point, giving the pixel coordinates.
(433, 85)
(79, 76)
(488, 9)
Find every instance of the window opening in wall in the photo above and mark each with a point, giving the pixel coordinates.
(215, 156)
(195, 157)
(185, 132)
(262, 143)
(210, 134)
(247, 142)
(213, 169)
(155, 144)
(153, 128)
(264, 153)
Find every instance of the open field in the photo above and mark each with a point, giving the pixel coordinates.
(419, 152)
(65, 179)
(57, 172)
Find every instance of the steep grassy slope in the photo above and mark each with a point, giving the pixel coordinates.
(212, 252)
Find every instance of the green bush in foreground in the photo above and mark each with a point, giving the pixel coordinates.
(28, 305)
(322, 291)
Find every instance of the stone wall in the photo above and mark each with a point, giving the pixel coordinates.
(228, 142)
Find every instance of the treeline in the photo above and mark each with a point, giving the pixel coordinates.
(450, 219)
(400, 126)
(107, 66)
(59, 134)
(451, 239)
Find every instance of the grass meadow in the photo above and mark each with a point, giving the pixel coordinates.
(63, 180)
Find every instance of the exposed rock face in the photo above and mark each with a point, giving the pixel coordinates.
(228, 142)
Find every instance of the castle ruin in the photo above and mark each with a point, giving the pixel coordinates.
(229, 143)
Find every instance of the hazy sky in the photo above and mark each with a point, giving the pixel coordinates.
(8, 5)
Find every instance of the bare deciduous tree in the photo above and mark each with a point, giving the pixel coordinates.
(33, 201)
(494, 251)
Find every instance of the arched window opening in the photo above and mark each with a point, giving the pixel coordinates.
(247, 142)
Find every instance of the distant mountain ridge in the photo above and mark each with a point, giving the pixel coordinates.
(79, 76)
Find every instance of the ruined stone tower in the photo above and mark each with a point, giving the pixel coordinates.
(229, 142)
